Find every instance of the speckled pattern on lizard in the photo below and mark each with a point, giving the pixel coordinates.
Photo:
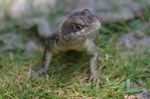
(77, 32)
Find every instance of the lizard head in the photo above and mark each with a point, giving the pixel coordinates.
(80, 23)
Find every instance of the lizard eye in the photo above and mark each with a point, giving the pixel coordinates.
(77, 27)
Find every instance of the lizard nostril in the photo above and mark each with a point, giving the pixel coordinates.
(90, 19)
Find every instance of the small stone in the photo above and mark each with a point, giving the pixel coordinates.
(130, 97)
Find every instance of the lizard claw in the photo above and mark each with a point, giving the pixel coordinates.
(39, 72)
(95, 79)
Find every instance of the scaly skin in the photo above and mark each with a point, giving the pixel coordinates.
(75, 33)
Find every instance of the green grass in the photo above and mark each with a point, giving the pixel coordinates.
(68, 75)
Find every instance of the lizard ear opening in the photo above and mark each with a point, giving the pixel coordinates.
(86, 12)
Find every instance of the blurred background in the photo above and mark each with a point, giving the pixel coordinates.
(123, 41)
(18, 20)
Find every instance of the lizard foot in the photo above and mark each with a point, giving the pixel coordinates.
(95, 79)
(36, 73)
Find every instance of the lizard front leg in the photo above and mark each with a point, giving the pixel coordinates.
(44, 66)
(92, 50)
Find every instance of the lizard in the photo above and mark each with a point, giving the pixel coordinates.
(77, 32)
